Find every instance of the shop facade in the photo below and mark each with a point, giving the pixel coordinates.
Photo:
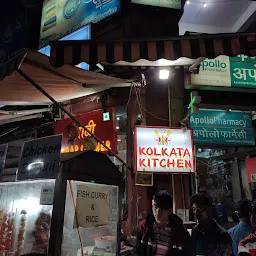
(159, 103)
(223, 127)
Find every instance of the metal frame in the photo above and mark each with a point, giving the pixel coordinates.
(59, 201)
(38, 87)
(59, 204)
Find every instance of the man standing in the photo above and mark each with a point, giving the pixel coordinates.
(244, 228)
(162, 233)
(208, 237)
(247, 247)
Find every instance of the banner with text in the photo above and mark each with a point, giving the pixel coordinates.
(224, 71)
(104, 130)
(62, 17)
(222, 127)
(161, 149)
(40, 158)
(92, 205)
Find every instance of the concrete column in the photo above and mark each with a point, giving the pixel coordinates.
(235, 179)
(246, 186)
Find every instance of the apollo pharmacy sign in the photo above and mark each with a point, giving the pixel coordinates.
(160, 149)
(224, 71)
(222, 127)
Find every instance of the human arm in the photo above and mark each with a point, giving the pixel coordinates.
(187, 247)
(227, 246)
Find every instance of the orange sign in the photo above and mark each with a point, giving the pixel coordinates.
(93, 121)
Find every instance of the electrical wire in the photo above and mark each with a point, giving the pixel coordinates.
(138, 96)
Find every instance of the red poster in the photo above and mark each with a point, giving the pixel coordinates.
(250, 164)
(104, 130)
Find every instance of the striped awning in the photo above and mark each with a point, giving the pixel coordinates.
(193, 47)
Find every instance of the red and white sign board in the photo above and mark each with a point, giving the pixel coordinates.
(250, 165)
(161, 149)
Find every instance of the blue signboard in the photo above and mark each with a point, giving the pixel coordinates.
(81, 34)
(222, 127)
(62, 17)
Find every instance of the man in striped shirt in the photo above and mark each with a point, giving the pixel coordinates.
(162, 233)
(247, 247)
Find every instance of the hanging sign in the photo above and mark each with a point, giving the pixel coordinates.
(224, 71)
(92, 205)
(250, 164)
(161, 149)
(3, 153)
(40, 158)
(222, 127)
(105, 130)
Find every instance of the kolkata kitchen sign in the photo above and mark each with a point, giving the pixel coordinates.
(224, 71)
(160, 149)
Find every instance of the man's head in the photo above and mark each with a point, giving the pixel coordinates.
(244, 209)
(202, 207)
(253, 216)
(162, 204)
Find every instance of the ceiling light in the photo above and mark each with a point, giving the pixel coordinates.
(188, 2)
(164, 74)
(205, 5)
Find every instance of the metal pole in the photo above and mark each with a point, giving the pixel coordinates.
(38, 87)
(170, 124)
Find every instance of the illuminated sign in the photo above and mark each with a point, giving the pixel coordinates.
(160, 149)
(175, 4)
(62, 17)
(93, 121)
(224, 71)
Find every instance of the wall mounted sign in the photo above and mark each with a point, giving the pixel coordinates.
(62, 17)
(174, 4)
(161, 149)
(104, 130)
(224, 71)
(250, 164)
(95, 199)
(144, 179)
(40, 158)
(222, 127)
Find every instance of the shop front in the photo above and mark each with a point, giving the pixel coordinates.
(222, 128)
(61, 205)
(129, 59)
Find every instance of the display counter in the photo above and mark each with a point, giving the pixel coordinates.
(76, 214)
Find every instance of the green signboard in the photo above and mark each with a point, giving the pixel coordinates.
(222, 127)
(224, 71)
(174, 4)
